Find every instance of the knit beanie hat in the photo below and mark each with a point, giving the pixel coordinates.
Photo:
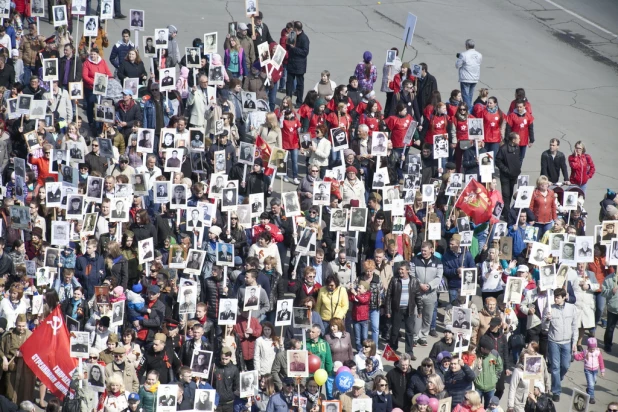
(367, 56)
(592, 342)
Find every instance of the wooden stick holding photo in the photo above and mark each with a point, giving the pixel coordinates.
(75, 75)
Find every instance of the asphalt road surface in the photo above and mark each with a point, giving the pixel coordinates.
(567, 65)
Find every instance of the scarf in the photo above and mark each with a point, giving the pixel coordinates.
(125, 107)
(311, 178)
(153, 388)
(375, 370)
(461, 117)
(453, 102)
(492, 111)
(312, 398)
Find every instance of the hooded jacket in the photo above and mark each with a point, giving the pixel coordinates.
(90, 271)
(321, 349)
(90, 68)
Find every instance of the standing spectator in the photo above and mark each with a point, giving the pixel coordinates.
(29, 47)
(226, 380)
(173, 50)
(553, 162)
(71, 73)
(427, 85)
(297, 63)
(521, 122)
(120, 49)
(582, 166)
(469, 66)
(131, 66)
(198, 101)
(341, 347)
(509, 164)
(366, 72)
(543, 205)
(7, 74)
(610, 293)
(427, 268)
(488, 368)
(259, 33)
(455, 259)
(398, 379)
(458, 379)
(562, 336)
(59, 102)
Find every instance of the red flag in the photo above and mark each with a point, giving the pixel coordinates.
(263, 151)
(475, 202)
(47, 354)
(335, 187)
(389, 354)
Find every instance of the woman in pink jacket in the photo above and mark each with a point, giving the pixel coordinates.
(94, 64)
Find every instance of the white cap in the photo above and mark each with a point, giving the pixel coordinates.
(523, 268)
(14, 53)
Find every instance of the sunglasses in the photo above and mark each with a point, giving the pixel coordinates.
(427, 365)
(233, 218)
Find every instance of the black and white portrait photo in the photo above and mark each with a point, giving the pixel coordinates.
(225, 254)
(338, 220)
(60, 15)
(145, 250)
(38, 109)
(100, 84)
(283, 315)
(500, 230)
(78, 7)
(161, 38)
(232, 27)
(263, 53)
(80, 343)
(173, 160)
(176, 257)
(210, 43)
(531, 234)
(194, 261)
(193, 57)
(362, 404)
(96, 377)
(524, 197)
(579, 401)
(149, 47)
(278, 57)
(440, 146)
(301, 318)
(23, 103)
(166, 398)
(538, 254)
(247, 153)
(378, 144)
(187, 299)
(358, 219)
(305, 241)
(91, 26)
(475, 128)
(461, 318)
(227, 311)
(321, 193)
(390, 57)
(291, 204)
(204, 400)
(145, 139)
(339, 139)
(107, 9)
(75, 205)
(463, 224)
(167, 79)
(248, 384)
(547, 277)
(117, 313)
(248, 101)
(567, 253)
(569, 201)
(251, 299)
(513, 290)
(455, 184)
(584, 249)
(522, 180)
(466, 238)
(137, 19)
(229, 198)
(380, 178)
(37, 10)
(94, 189)
(54, 193)
(468, 282)
(60, 231)
(428, 193)
(76, 90)
(179, 196)
(50, 70)
(120, 209)
(130, 83)
(252, 7)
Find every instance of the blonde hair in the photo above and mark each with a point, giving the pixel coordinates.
(579, 142)
(115, 379)
(436, 381)
(237, 47)
(541, 180)
(271, 121)
(474, 399)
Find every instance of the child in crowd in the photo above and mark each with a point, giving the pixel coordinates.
(593, 364)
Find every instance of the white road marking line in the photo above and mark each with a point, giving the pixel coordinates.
(572, 13)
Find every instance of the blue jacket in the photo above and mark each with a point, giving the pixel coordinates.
(119, 52)
(90, 272)
(451, 262)
(10, 31)
(149, 112)
(457, 383)
(381, 403)
(518, 234)
(278, 404)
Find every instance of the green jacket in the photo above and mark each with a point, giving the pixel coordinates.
(489, 372)
(147, 399)
(322, 350)
(608, 293)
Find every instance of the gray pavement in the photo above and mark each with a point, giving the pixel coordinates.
(568, 68)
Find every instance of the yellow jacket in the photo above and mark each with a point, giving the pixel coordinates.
(332, 305)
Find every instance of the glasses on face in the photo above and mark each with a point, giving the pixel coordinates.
(95, 145)
(427, 365)
(47, 152)
(312, 213)
(233, 218)
(314, 171)
(93, 358)
(382, 385)
(309, 277)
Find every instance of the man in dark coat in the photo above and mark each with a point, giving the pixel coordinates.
(261, 33)
(297, 63)
(160, 358)
(427, 84)
(553, 162)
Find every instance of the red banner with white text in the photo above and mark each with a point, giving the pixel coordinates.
(47, 354)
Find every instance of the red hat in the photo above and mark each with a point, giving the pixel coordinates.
(351, 169)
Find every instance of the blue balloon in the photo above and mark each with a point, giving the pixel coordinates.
(344, 381)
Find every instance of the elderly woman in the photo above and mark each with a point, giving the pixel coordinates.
(353, 188)
(13, 305)
(543, 205)
(115, 398)
(265, 247)
(520, 387)
(584, 289)
(340, 341)
(325, 87)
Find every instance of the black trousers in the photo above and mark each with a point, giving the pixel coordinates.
(398, 318)
(507, 184)
(300, 86)
(612, 319)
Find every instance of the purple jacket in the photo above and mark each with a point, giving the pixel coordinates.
(241, 60)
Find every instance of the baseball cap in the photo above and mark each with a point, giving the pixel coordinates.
(154, 289)
(242, 26)
(523, 268)
(128, 92)
(133, 397)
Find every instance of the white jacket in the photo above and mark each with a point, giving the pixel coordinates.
(7, 312)
(62, 101)
(321, 154)
(469, 65)
(264, 355)
(351, 191)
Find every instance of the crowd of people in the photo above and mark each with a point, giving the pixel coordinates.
(204, 283)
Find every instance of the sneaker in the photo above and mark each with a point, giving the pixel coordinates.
(592, 401)
(555, 398)
(286, 179)
(433, 333)
(296, 181)
(422, 342)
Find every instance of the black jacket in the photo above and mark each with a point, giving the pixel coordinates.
(7, 76)
(131, 70)
(398, 384)
(285, 227)
(507, 161)
(120, 272)
(154, 321)
(256, 183)
(78, 71)
(393, 295)
(211, 297)
(82, 308)
(418, 382)
(441, 346)
(426, 88)
(470, 166)
(142, 232)
(186, 351)
(37, 94)
(552, 166)
(129, 116)
(226, 381)
(410, 103)
(502, 347)
(6, 265)
(165, 362)
(297, 60)
(97, 163)
(260, 38)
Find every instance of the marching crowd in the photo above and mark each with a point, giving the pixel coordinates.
(359, 288)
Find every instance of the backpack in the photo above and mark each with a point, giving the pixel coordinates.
(543, 404)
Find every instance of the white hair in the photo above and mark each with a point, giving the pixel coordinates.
(363, 127)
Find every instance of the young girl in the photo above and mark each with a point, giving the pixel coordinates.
(360, 312)
(593, 364)
(370, 117)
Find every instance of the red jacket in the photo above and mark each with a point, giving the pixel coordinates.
(42, 165)
(371, 121)
(461, 127)
(275, 74)
(395, 84)
(304, 111)
(283, 42)
(247, 343)
(437, 125)
(528, 107)
(314, 121)
(521, 125)
(331, 105)
(360, 109)
(89, 70)
(427, 111)
(398, 127)
(360, 306)
(274, 232)
(289, 134)
(600, 269)
(544, 207)
(344, 122)
(492, 124)
(451, 110)
(522, 316)
(582, 169)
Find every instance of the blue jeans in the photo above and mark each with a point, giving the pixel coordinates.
(583, 187)
(543, 227)
(560, 358)
(293, 156)
(599, 303)
(467, 91)
(452, 297)
(28, 72)
(335, 158)
(591, 380)
(492, 147)
(282, 80)
(361, 332)
(374, 319)
(272, 98)
(486, 396)
(522, 154)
